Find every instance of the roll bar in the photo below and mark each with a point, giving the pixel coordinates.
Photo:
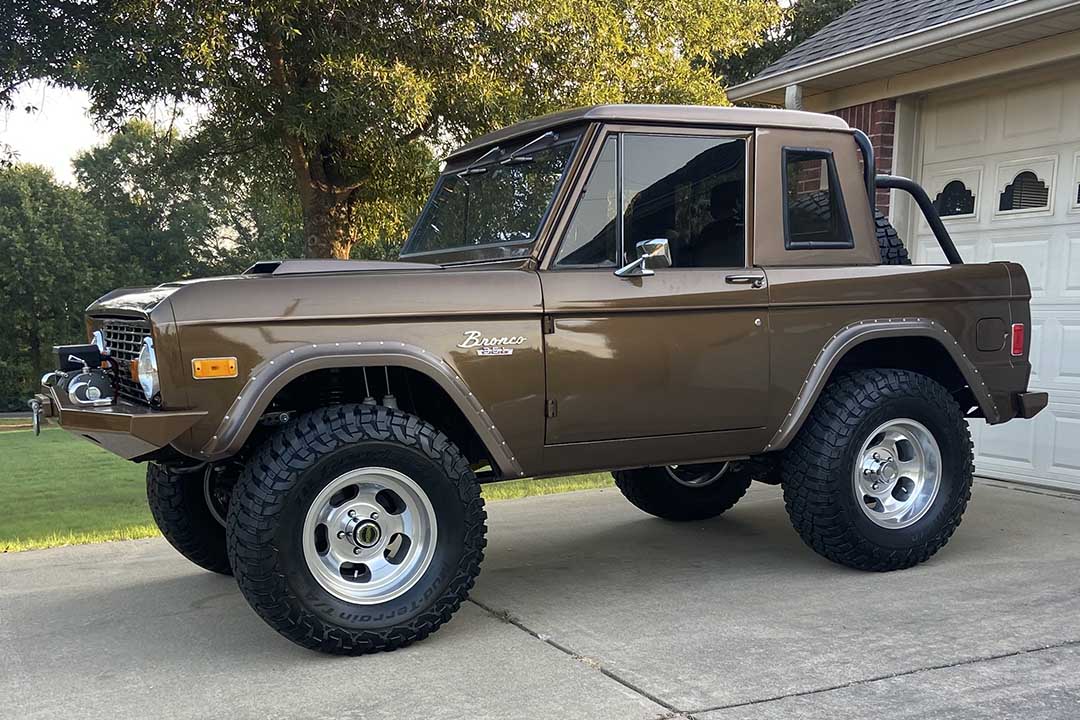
(893, 182)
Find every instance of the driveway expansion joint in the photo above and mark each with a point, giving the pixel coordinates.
(880, 678)
(593, 663)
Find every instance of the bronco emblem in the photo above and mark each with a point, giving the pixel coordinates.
(489, 345)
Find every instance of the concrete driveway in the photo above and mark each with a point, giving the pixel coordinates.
(586, 608)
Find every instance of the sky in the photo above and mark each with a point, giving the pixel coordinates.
(52, 135)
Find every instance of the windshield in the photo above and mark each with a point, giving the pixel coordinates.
(499, 199)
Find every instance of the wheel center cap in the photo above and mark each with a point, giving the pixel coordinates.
(888, 472)
(366, 534)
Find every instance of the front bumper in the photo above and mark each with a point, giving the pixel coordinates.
(128, 430)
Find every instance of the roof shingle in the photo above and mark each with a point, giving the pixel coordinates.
(874, 21)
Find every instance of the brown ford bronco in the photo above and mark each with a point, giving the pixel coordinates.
(692, 297)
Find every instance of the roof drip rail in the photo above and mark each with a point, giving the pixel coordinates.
(892, 182)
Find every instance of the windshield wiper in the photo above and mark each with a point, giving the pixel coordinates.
(472, 169)
(516, 157)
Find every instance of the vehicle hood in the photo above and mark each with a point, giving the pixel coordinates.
(297, 290)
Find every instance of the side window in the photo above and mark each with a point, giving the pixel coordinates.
(690, 190)
(814, 213)
(590, 239)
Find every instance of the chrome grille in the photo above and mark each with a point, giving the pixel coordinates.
(124, 340)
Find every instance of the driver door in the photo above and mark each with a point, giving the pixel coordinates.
(682, 351)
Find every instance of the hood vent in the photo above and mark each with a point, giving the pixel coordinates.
(312, 267)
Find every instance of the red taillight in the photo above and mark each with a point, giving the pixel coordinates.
(1017, 339)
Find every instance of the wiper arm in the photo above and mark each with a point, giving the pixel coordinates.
(472, 169)
(516, 157)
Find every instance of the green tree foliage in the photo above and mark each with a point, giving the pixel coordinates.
(795, 23)
(156, 207)
(351, 100)
(58, 258)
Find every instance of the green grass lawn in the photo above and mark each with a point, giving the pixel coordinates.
(57, 489)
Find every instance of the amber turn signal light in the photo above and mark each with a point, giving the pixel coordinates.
(219, 367)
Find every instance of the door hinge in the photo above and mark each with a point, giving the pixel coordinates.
(552, 409)
(549, 325)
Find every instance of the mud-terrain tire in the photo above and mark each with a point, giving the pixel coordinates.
(892, 247)
(285, 490)
(826, 483)
(656, 491)
(179, 506)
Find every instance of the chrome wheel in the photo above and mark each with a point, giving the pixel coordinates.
(697, 475)
(897, 473)
(369, 535)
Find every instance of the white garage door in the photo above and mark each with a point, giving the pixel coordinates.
(1005, 158)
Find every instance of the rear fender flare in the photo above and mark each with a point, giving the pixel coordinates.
(270, 376)
(857, 333)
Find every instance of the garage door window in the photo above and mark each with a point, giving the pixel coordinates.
(1025, 192)
(955, 200)
(814, 214)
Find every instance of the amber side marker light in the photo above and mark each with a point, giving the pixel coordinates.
(219, 367)
(1017, 339)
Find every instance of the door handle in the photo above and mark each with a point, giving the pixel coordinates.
(754, 281)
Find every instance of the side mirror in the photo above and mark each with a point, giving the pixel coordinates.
(652, 254)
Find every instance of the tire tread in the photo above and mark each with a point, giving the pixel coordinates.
(260, 495)
(813, 471)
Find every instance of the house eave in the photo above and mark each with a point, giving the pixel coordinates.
(770, 88)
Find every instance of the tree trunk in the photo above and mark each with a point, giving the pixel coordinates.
(36, 361)
(327, 227)
(326, 208)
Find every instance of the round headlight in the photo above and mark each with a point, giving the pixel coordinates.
(148, 370)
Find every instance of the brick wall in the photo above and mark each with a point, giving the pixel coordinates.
(878, 120)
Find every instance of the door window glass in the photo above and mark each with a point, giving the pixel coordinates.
(690, 191)
(590, 239)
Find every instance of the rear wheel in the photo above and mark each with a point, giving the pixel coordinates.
(685, 492)
(355, 529)
(189, 509)
(880, 474)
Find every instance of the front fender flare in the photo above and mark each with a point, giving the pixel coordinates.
(270, 376)
(857, 333)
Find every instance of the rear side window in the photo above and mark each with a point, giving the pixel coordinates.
(814, 213)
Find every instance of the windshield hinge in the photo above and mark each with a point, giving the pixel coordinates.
(549, 325)
(552, 409)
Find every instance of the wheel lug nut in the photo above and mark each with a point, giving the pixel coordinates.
(374, 516)
(352, 513)
(356, 551)
(341, 534)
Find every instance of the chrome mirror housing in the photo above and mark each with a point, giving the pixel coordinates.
(652, 254)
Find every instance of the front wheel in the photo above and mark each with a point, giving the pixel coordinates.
(880, 474)
(356, 529)
(188, 509)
